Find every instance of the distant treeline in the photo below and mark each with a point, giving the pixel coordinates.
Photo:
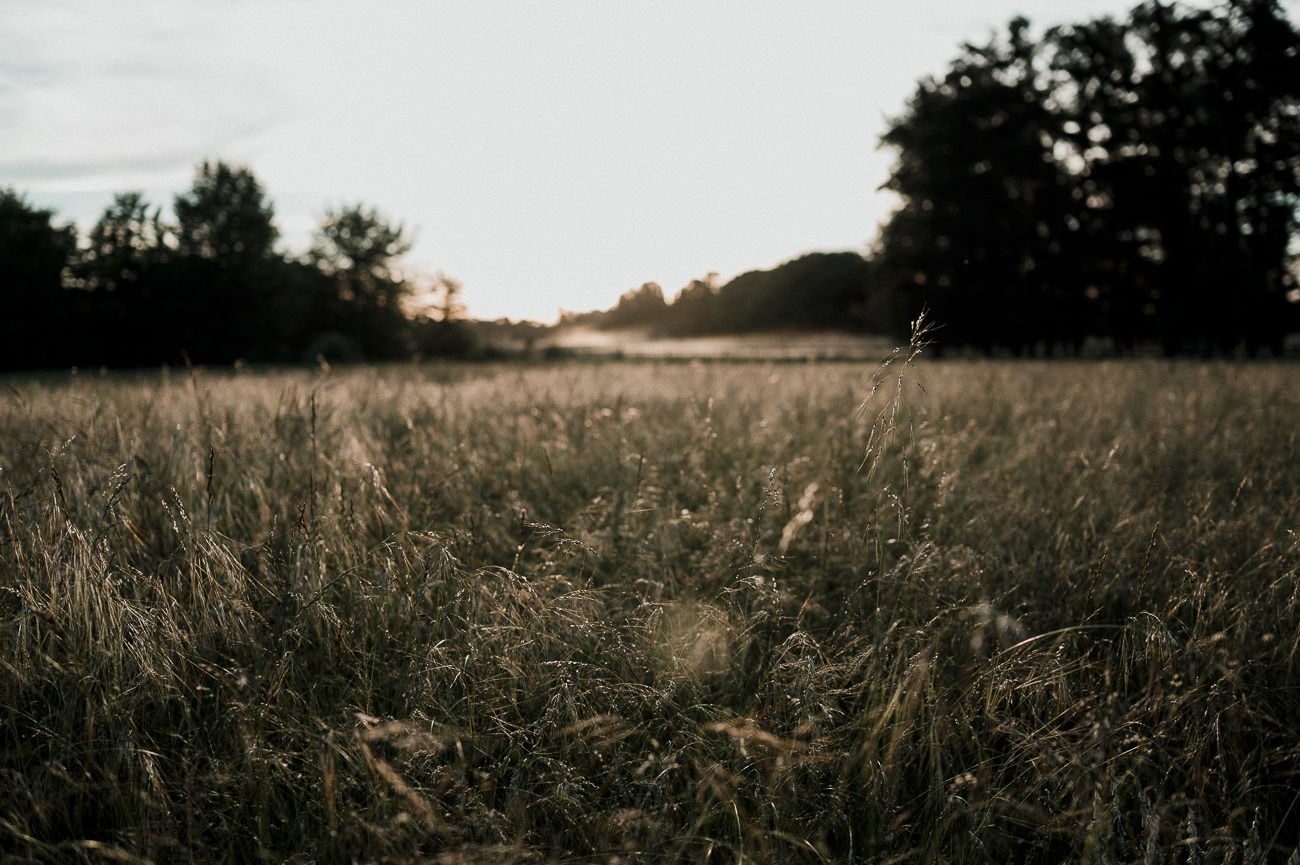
(1132, 182)
(816, 291)
(211, 287)
(1136, 182)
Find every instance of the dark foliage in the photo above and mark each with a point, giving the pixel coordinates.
(210, 288)
(820, 290)
(1136, 181)
(817, 291)
(33, 252)
(641, 307)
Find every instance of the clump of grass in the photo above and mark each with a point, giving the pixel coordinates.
(652, 612)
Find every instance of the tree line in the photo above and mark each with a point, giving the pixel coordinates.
(210, 286)
(1131, 182)
(1135, 180)
(813, 292)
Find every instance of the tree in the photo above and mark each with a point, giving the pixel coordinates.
(1138, 180)
(694, 311)
(119, 270)
(1185, 127)
(358, 248)
(449, 305)
(216, 292)
(123, 246)
(441, 330)
(817, 290)
(987, 218)
(641, 307)
(38, 317)
(225, 217)
(210, 288)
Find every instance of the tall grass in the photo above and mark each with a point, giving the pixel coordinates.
(1030, 612)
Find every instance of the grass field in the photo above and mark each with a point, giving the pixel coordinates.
(648, 612)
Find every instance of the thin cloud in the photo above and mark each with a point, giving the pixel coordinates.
(90, 95)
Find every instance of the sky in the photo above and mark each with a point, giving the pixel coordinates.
(549, 155)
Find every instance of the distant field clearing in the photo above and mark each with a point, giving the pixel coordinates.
(643, 343)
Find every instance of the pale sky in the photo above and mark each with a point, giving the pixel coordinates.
(547, 154)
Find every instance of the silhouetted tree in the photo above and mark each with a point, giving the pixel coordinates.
(815, 291)
(225, 217)
(219, 284)
(448, 303)
(358, 248)
(987, 213)
(211, 287)
(119, 269)
(1135, 179)
(695, 309)
(818, 290)
(641, 307)
(126, 242)
(440, 331)
(39, 319)
(1185, 128)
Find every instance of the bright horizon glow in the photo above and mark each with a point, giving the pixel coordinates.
(548, 156)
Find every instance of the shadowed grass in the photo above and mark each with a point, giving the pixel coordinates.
(653, 612)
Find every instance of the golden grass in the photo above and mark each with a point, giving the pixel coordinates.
(982, 612)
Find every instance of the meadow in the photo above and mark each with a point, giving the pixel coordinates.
(653, 611)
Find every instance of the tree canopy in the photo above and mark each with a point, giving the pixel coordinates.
(209, 287)
(820, 290)
(33, 254)
(225, 217)
(1132, 180)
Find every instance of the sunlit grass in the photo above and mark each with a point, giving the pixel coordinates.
(653, 612)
